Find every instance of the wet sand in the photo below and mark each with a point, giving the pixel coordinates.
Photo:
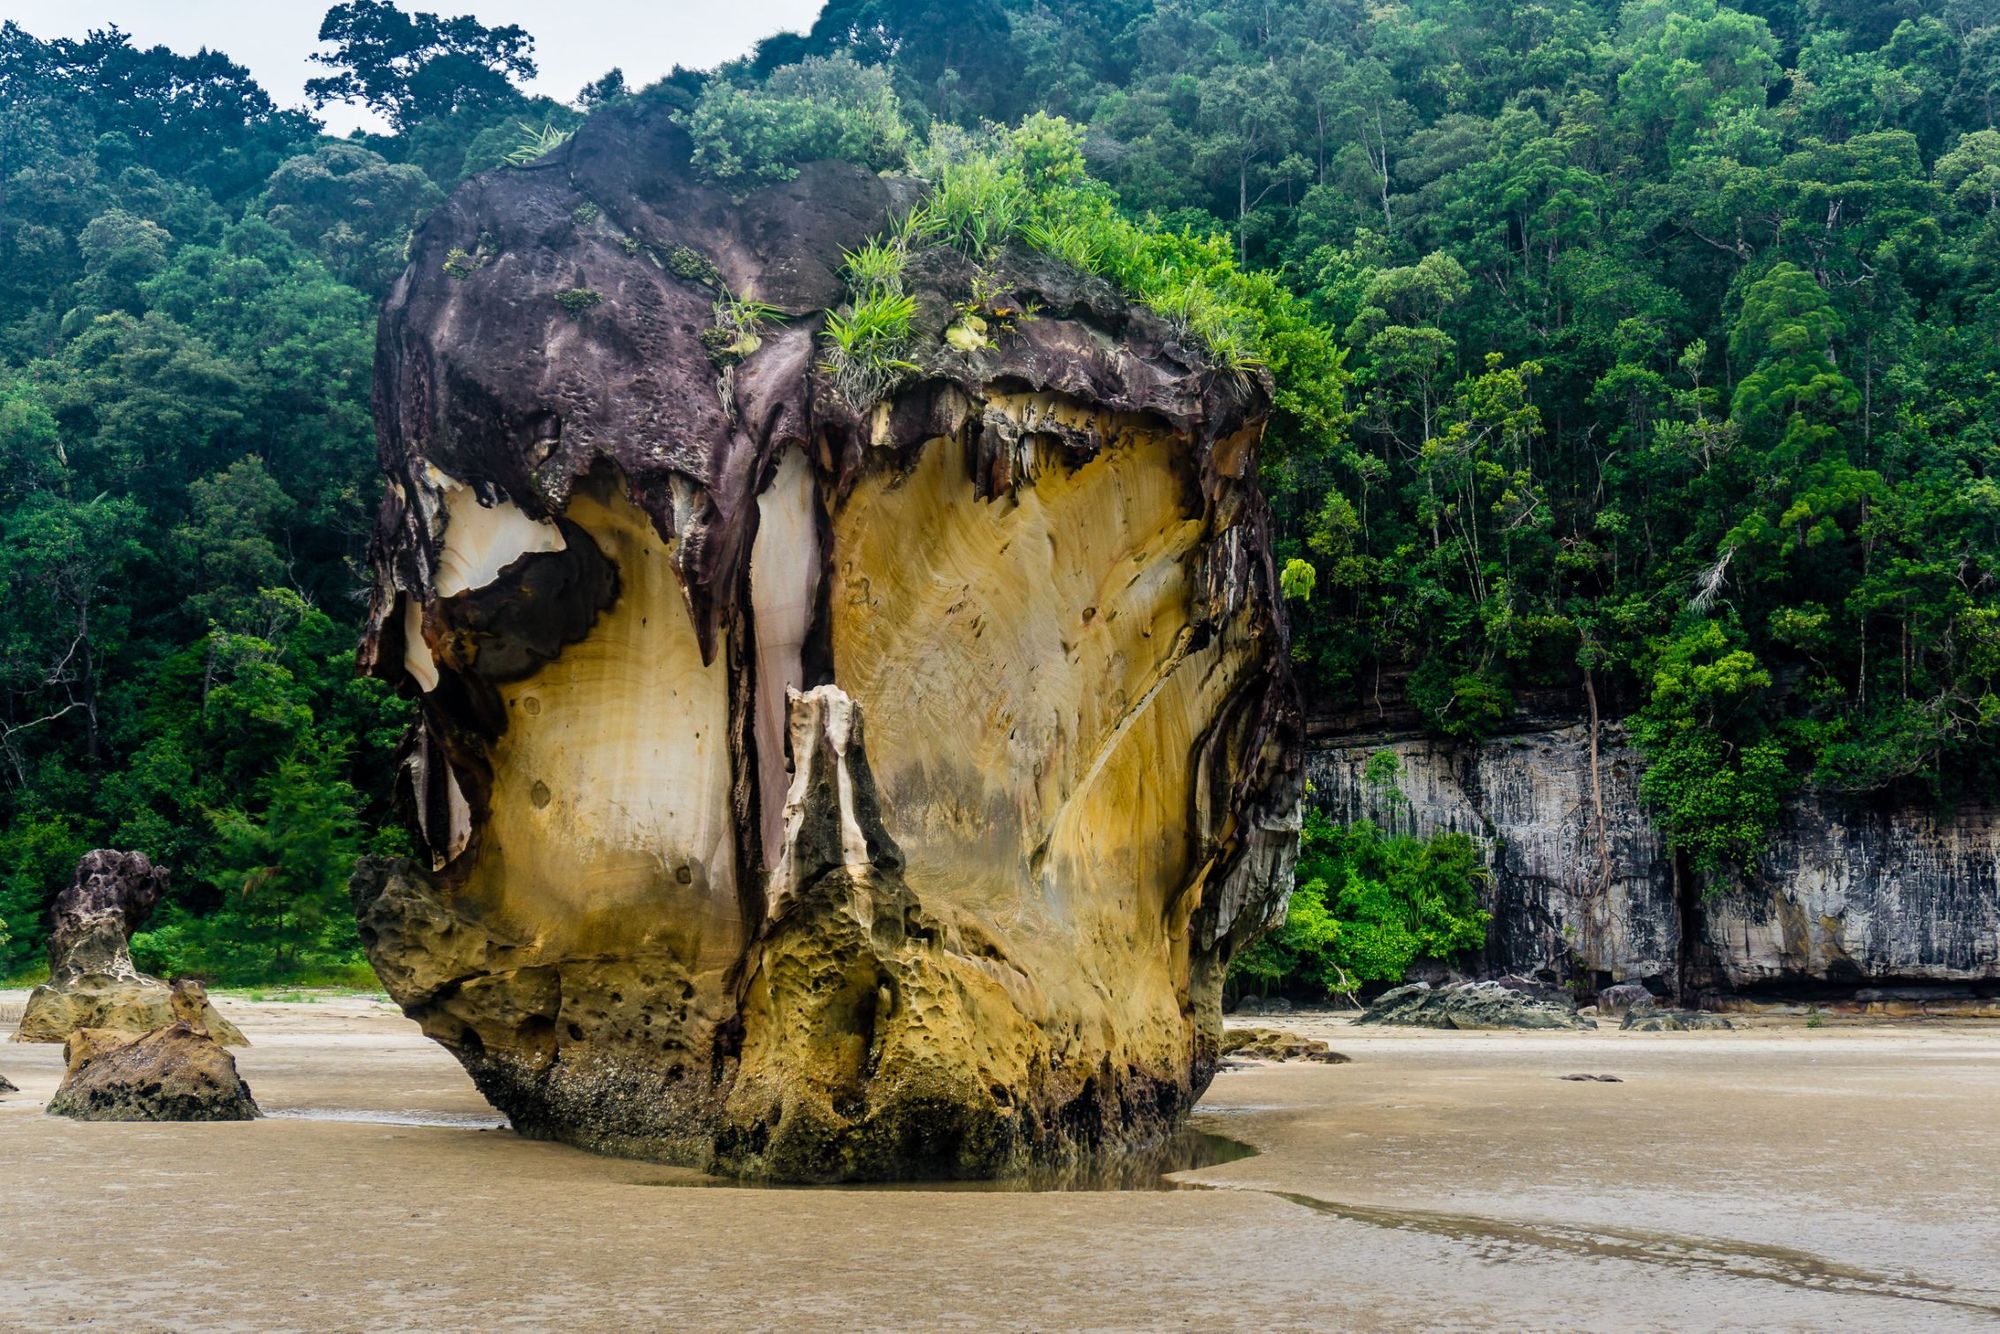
(1775, 1177)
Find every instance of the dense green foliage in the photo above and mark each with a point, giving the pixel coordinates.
(1028, 189)
(1649, 350)
(187, 286)
(829, 107)
(1368, 904)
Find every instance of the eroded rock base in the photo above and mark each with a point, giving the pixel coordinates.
(176, 1073)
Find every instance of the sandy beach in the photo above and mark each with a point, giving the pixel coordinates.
(1774, 1177)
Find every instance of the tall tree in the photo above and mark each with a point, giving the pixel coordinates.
(413, 67)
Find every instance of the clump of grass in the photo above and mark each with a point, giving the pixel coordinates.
(695, 267)
(876, 266)
(868, 346)
(576, 300)
(868, 339)
(461, 263)
(1200, 313)
(585, 214)
(736, 333)
(536, 143)
(1072, 240)
(975, 207)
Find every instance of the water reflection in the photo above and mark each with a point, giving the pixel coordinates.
(1146, 1167)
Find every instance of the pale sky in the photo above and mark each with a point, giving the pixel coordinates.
(575, 40)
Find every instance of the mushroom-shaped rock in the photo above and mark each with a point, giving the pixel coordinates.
(93, 982)
(174, 1073)
(648, 579)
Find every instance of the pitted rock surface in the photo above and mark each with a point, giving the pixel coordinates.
(673, 898)
(93, 982)
(175, 1073)
(1278, 1044)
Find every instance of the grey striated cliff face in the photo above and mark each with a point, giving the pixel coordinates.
(1845, 900)
(1866, 896)
(1561, 906)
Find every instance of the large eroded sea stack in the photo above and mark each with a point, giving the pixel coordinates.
(808, 789)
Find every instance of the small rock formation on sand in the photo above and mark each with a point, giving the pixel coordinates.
(1654, 1020)
(646, 578)
(1472, 1005)
(1592, 1079)
(1622, 999)
(1277, 1044)
(92, 980)
(175, 1073)
(7, 1087)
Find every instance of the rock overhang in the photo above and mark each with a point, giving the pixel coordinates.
(614, 567)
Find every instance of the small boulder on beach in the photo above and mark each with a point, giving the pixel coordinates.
(1625, 998)
(1672, 1021)
(1473, 1005)
(1277, 1044)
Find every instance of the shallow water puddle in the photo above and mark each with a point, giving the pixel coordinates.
(1501, 1240)
(444, 1120)
(1142, 1169)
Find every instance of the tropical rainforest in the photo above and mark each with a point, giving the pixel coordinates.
(1642, 355)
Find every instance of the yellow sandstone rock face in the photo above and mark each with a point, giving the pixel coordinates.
(808, 789)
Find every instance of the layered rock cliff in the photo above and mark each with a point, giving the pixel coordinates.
(1890, 904)
(811, 787)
